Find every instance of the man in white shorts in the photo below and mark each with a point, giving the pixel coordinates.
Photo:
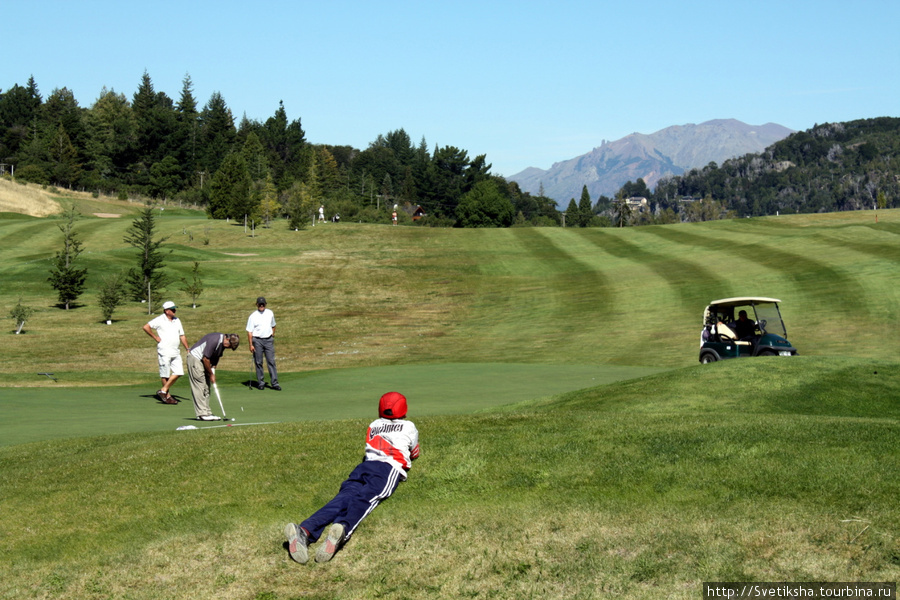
(168, 332)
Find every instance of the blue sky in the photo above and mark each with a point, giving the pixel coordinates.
(526, 83)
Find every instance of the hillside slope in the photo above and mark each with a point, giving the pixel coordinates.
(831, 167)
(27, 199)
(350, 295)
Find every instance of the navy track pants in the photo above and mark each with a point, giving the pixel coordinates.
(370, 482)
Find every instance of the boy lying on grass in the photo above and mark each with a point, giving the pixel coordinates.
(392, 443)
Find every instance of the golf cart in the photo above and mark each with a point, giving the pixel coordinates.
(739, 327)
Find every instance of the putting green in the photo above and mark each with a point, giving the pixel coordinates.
(55, 411)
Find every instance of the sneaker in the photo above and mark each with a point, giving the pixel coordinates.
(331, 544)
(298, 543)
(166, 397)
(260, 386)
(276, 387)
(209, 418)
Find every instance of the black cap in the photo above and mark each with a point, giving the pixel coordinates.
(260, 300)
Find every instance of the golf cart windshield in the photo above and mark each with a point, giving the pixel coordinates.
(768, 319)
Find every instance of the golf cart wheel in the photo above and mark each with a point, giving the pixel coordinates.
(767, 353)
(708, 358)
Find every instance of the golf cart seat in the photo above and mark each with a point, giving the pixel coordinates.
(725, 332)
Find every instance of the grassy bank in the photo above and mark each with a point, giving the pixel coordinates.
(644, 488)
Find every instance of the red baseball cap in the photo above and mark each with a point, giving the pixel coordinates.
(392, 406)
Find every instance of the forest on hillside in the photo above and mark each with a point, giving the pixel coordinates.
(152, 146)
(832, 167)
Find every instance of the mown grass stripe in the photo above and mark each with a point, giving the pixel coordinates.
(842, 291)
(690, 281)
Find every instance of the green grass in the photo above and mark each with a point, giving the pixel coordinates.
(55, 411)
(352, 295)
(619, 489)
(572, 446)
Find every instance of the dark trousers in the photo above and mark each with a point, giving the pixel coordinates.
(265, 346)
(370, 482)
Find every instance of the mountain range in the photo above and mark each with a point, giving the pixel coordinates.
(670, 151)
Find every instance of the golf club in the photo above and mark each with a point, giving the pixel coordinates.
(219, 396)
(224, 417)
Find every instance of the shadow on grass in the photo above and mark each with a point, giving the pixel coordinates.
(178, 399)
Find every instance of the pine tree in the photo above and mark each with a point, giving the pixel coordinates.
(63, 158)
(255, 156)
(585, 212)
(112, 138)
(286, 143)
(268, 204)
(299, 205)
(194, 287)
(188, 129)
(217, 133)
(65, 278)
(571, 214)
(229, 189)
(156, 124)
(110, 296)
(147, 278)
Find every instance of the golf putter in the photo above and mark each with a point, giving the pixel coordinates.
(219, 396)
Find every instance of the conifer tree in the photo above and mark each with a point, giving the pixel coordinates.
(229, 190)
(65, 278)
(572, 214)
(194, 287)
(186, 137)
(299, 205)
(147, 279)
(217, 133)
(585, 211)
(110, 295)
(268, 204)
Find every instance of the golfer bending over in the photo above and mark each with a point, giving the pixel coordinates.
(392, 443)
(201, 361)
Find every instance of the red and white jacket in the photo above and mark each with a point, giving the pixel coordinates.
(394, 441)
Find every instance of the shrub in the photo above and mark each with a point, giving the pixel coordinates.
(32, 173)
(21, 314)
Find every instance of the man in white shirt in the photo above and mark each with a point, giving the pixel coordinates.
(168, 332)
(261, 336)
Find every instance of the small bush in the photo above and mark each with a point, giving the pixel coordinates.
(20, 314)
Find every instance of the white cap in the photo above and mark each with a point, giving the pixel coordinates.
(169, 304)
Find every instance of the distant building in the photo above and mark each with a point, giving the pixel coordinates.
(637, 203)
(415, 212)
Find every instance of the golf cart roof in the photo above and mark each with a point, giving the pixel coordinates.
(743, 300)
